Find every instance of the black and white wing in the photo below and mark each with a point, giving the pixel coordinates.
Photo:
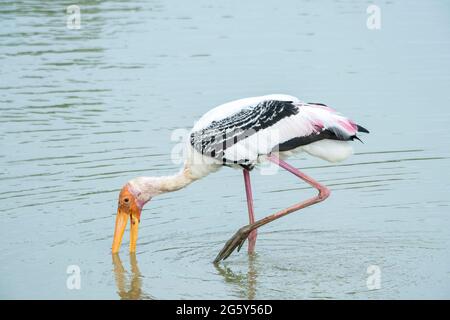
(240, 131)
(223, 139)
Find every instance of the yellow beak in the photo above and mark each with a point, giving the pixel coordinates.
(121, 223)
(134, 228)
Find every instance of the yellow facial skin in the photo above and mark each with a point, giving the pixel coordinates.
(127, 208)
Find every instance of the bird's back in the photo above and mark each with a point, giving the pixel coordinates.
(239, 132)
(230, 108)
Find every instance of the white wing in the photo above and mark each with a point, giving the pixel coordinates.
(228, 109)
(240, 131)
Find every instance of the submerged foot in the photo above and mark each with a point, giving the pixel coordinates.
(252, 242)
(235, 242)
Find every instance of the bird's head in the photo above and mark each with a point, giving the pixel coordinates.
(131, 201)
(132, 198)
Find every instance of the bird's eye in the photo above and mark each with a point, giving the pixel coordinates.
(126, 200)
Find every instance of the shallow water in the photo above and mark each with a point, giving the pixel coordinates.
(83, 111)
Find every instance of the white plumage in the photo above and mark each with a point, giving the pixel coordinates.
(311, 119)
(227, 109)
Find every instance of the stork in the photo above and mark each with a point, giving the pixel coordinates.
(243, 134)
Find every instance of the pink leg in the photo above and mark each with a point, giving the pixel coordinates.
(239, 238)
(251, 214)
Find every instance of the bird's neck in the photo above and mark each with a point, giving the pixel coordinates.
(175, 182)
(146, 188)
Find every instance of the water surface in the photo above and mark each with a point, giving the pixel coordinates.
(83, 111)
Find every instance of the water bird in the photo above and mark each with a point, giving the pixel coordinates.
(242, 134)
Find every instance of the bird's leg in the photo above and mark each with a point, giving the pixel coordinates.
(239, 238)
(251, 214)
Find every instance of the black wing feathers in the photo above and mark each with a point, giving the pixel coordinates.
(219, 135)
(222, 134)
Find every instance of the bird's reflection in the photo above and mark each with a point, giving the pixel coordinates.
(246, 283)
(129, 287)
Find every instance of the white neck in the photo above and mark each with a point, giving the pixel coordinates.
(146, 188)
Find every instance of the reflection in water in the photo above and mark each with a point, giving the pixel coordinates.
(246, 283)
(131, 289)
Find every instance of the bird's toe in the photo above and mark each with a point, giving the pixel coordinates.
(236, 241)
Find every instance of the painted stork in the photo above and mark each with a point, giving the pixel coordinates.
(241, 134)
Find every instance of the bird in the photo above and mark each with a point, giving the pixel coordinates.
(243, 134)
